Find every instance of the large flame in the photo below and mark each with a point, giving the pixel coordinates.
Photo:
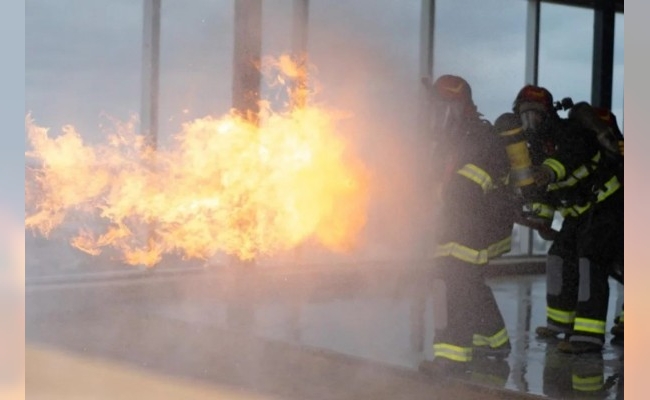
(225, 185)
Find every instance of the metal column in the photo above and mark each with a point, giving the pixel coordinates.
(150, 71)
(532, 42)
(427, 24)
(150, 85)
(603, 54)
(299, 36)
(427, 21)
(246, 58)
(426, 144)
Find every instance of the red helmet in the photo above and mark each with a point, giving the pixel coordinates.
(452, 102)
(610, 119)
(605, 115)
(534, 106)
(533, 97)
(453, 88)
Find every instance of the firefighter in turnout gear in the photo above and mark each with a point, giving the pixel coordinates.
(617, 164)
(585, 188)
(475, 225)
(544, 131)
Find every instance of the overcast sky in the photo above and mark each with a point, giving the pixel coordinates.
(84, 57)
(83, 60)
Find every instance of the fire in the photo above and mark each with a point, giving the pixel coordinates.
(224, 185)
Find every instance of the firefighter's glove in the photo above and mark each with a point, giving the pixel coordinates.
(543, 175)
(543, 226)
(547, 233)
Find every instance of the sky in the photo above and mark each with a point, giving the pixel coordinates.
(83, 64)
(83, 58)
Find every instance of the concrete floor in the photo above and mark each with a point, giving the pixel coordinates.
(344, 332)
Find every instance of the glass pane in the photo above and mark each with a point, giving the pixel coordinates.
(196, 46)
(484, 42)
(366, 53)
(565, 51)
(75, 70)
(617, 79)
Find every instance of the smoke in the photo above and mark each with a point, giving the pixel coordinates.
(217, 325)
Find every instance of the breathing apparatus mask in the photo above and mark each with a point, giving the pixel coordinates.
(448, 117)
(451, 105)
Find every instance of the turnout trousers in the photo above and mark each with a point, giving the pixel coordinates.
(600, 248)
(473, 318)
(562, 277)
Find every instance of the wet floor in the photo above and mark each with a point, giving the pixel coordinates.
(380, 314)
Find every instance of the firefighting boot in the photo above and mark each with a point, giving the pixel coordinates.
(499, 353)
(578, 347)
(548, 332)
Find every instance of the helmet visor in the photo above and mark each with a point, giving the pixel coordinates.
(532, 120)
(447, 116)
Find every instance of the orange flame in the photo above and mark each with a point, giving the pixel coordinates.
(225, 185)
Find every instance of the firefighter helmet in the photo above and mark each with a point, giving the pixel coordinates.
(534, 106)
(607, 116)
(533, 97)
(603, 122)
(452, 103)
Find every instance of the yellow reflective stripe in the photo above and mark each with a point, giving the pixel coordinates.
(511, 132)
(463, 253)
(542, 210)
(620, 317)
(578, 210)
(568, 211)
(477, 175)
(557, 167)
(500, 247)
(589, 325)
(579, 173)
(587, 383)
(480, 340)
(575, 176)
(494, 341)
(499, 339)
(451, 352)
(473, 256)
(611, 186)
(621, 146)
(563, 317)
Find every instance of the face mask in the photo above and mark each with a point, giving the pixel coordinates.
(447, 117)
(532, 121)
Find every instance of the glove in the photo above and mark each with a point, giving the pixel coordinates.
(541, 225)
(543, 175)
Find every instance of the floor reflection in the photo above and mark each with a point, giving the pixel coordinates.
(393, 324)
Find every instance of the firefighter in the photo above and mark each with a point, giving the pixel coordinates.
(545, 131)
(562, 269)
(589, 189)
(475, 226)
(617, 273)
